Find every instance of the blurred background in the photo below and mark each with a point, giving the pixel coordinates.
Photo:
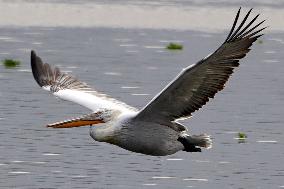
(206, 15)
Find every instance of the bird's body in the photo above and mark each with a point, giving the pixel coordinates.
(153, 130)
(138, 136)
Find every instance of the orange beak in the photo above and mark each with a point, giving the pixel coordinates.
(78, 122)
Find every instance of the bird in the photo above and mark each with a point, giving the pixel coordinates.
(155, 129)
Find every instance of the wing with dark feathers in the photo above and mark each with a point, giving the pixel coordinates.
(196, 84)
(45, 76)
(70, 88)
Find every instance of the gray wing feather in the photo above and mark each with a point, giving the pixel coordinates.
(196, 84)
(46, 76)
(53, 80)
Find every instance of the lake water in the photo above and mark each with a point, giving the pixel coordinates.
(132, 65)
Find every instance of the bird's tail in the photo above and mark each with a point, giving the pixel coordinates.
(194, 143)
(202, 140)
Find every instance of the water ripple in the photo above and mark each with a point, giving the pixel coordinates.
(140, 94)
(153, 47)
(19, 172)
(196, 179)
(130, 87)
(266, 141)
(51, 154)
(128, 45)
(174, 159)
(113, 73)
(149, 184)
(163, 177)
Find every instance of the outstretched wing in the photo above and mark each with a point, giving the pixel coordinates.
(69, 88)
(196, 84)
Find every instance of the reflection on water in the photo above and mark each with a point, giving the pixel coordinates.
(33, 156)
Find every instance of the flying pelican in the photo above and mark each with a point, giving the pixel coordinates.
(153, 130)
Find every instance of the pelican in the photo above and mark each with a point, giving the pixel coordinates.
(153, 130)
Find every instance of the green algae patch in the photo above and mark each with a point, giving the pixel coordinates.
(259, 41)
(10, 63)
(242, 136)
(174, 46)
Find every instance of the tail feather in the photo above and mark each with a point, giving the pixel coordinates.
(202, 140)
(194, 143)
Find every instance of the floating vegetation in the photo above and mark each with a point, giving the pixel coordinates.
(174, 46)
(10, 63)
(259, 41)
(242, 136)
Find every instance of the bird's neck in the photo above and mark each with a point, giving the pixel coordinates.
(104, 132)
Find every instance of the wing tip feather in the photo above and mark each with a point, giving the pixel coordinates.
(242, 30)
(36, 65)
